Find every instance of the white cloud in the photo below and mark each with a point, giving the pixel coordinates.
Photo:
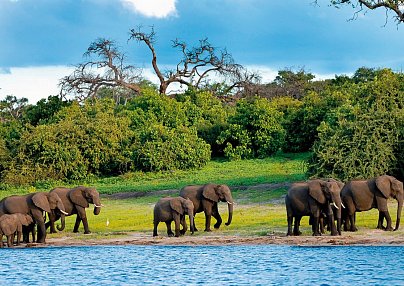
(33, 83)
(152, 8)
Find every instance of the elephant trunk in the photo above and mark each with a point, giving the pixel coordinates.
(97, 205)
(337, 204)
(399, 209)
(62, 219)
(230, 207)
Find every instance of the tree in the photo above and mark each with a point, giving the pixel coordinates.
(12, 107)
(196, 64)
(105, 57)
(394, 6)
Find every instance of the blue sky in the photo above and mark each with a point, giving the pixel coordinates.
(41, 39)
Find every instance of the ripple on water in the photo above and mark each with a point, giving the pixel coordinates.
(202, 265)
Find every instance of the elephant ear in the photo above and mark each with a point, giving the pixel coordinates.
(316, 191)
(41, 201)
(383, 183)
(176, 205)
(77, 197)
(25, 219)
(209, 192)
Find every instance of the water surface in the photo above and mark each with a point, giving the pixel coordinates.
(203, 265)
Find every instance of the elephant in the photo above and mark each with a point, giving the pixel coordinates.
(75, 200)
(173, 209)
(34, 204)
(310, 199)
(363, 195)
(11, 224)
(205, 198)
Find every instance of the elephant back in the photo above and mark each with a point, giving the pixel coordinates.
(16, 204)
(194, 193)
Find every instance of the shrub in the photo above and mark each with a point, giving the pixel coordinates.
(255, 130)
(160, 148)
(362, 138)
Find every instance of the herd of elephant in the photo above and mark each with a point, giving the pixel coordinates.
(325, 201)
(20, 214)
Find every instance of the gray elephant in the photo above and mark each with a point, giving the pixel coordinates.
(173, 209)
(363, 195)
(11, 224)
(34, 204)
(205, 199)
(310, 199)
(75, 200)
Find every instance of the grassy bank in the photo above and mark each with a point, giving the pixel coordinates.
(258, 187)
(277, 169)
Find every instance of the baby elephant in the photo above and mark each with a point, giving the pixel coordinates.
(174, 209)
(11, 223)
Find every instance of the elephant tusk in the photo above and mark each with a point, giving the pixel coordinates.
(99, 206)
(343, 205)
(230, 203)
(63, 212)
(335, 206)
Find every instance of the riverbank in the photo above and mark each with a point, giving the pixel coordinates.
(372, 237)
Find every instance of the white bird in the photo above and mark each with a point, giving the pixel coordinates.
(107, 222)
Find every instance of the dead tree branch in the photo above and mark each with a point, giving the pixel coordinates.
(106, 70)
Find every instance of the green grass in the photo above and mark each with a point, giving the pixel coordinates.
(258, 210)
(279, 168)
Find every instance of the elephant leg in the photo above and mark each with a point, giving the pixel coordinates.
(18, 237)
(290, 222)
(177, 223)
(216, 215)
(315, 226)
(82, 213)
(169, 231)
(380, 221)
(321, 222)
(352, 222)
(1, 240)
(77, 224)
(184, 225)
(195, 229)
(296, 230)
(156, 223)
(10, 239)
(388, 219)
(208, 217)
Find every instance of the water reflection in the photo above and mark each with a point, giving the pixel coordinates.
(203, 265)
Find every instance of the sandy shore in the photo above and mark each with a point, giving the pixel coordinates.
(373, 237)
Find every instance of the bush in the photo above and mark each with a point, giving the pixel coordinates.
(362, 138)
(160, 148)
(255, 130)
(83, 141)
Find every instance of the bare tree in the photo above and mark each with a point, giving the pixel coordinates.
(395, 6)
(196, 65)
(105, 68)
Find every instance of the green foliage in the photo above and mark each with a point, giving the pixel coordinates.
(255, 130)
(160, 148)
(362, 137)
(302, 118)
(44, 110)
(207, 114)
(83, 141)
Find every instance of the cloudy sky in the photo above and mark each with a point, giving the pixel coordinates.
(40, 40)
